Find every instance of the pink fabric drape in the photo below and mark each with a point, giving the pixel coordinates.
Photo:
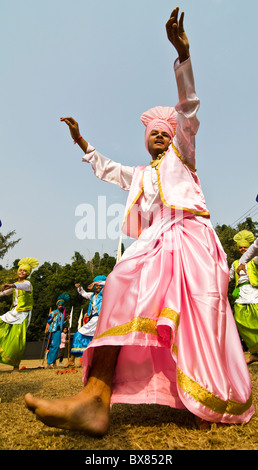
(166, 304)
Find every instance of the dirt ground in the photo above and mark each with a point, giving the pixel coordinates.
(137, 427)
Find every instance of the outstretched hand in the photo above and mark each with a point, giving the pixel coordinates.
(176, 34)
(75, 132)
(7, 286)
(73, 126)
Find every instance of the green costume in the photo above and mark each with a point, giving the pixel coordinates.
(246, 296)
(14, 324)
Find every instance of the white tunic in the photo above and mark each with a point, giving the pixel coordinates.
(184, 140)
(247, 293)
(13, 317)
(89, 328)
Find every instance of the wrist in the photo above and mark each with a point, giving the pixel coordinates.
(183, 57)
(77, 139)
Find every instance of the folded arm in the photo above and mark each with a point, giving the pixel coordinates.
(26, 285)
(7, 289)
(251, 253)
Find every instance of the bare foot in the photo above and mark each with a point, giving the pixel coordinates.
(252, 358)
(201, 423)
(69, 364)
(79, 413)
(89, 410)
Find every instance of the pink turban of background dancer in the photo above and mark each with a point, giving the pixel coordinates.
(160, 118)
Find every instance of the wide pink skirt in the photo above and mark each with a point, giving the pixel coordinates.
(166, 304)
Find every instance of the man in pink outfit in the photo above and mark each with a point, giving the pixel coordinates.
(168, 336)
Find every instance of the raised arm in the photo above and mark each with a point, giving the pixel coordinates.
(104, 168)
(82, 292)
(75, 132)
(177, 36)
(188, 103)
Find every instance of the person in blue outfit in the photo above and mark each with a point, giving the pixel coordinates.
(84, 335)
(56, 323)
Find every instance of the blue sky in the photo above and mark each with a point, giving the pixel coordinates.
(105, 63)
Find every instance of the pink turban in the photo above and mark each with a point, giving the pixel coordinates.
(161, 118)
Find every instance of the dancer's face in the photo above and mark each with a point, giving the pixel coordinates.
(158, 142)
(242, 249)
(22, 274)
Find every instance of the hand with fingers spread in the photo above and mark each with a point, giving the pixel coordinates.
(177, 36)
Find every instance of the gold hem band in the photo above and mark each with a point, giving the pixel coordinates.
(208, 399)
(188, 385)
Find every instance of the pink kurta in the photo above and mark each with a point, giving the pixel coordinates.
(165, 303)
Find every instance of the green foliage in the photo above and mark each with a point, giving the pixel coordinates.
(6, 243)
(226, 234)
(7, 276)
(50, 280)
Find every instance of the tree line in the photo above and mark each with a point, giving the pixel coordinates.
(51, 279)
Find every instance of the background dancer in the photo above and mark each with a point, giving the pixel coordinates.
(84, 335)
(14, 324)
(62, 344)
(56, 323)
(246, 295)
(166, 333)
(251, 252)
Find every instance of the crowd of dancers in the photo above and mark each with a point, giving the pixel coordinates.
(14, 323)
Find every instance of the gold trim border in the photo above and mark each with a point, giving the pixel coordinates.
(188, 385)
(141, 325)
(134, 201)
(208, 399)
(182, 159)
(171, 315)
(137, 324)
(205, 214)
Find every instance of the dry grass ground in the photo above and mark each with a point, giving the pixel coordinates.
(141, 427)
